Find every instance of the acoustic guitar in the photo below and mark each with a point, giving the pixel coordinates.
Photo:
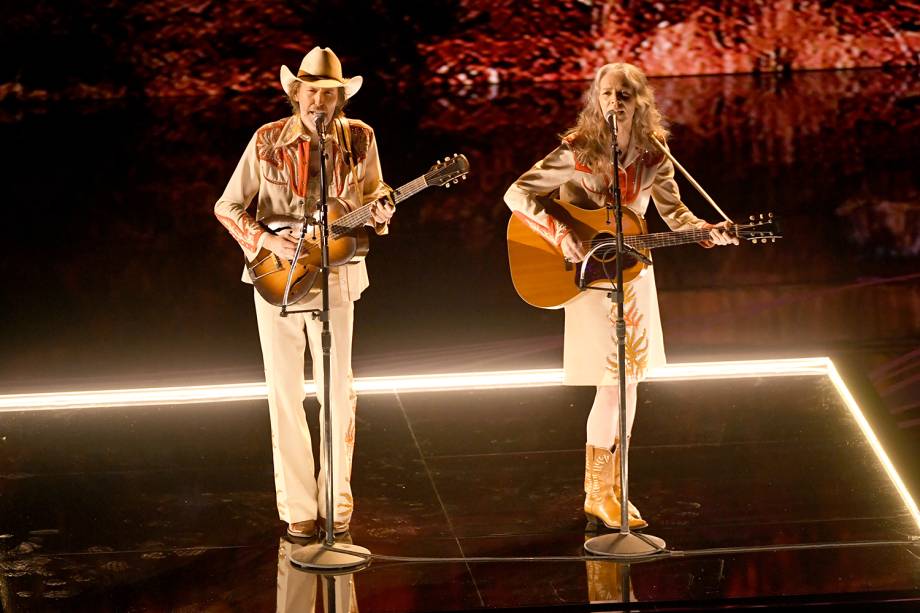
(347, 237)
(545, 279)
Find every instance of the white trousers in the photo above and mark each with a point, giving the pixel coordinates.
(300, 494)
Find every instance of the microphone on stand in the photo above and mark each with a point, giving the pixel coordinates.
(319, 120)
(612, 122)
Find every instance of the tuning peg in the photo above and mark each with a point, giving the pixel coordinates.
(463, 177)
(752, 218)
(770, 215)
(447, 185)
(447, 159)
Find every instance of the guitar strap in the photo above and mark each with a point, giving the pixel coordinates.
(345, 140)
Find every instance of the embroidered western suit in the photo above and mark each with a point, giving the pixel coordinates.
(274, 173)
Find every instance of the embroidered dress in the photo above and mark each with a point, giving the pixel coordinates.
(590, 352)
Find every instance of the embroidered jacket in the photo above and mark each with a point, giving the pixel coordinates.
(560, 175)
(274, 171)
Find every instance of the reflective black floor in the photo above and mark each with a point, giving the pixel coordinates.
(171, 508)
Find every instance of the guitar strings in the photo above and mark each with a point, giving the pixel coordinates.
(662, 239)
(353, 219)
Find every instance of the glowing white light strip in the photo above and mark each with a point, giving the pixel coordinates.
(412, 383)
(857, 413)
(819, 366)
(740, 368)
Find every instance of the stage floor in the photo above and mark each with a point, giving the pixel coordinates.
(171, 508)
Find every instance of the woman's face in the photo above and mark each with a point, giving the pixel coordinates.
(615, 94)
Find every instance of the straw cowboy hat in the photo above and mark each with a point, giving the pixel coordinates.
(321, 68)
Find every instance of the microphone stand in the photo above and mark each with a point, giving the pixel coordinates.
(326, 557)
(624, 545)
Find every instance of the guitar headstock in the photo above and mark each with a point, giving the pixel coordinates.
(762, 228)
(449, 171)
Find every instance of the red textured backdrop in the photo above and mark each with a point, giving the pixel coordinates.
(545, 41)
(113, 48)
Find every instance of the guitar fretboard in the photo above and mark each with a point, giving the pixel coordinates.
(355, 219)
(664, 239)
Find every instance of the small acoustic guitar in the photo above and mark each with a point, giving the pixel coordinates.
(544, 278)
(347, 237)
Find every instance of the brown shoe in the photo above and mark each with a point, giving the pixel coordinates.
(302, 529)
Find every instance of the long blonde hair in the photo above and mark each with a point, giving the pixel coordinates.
(590, 137)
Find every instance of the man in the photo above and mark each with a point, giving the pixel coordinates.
(279, 170)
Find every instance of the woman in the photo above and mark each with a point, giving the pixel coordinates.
(580, 171)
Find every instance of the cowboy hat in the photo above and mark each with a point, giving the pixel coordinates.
(320, 68)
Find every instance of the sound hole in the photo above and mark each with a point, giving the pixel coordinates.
(606, 253)
(605, 257)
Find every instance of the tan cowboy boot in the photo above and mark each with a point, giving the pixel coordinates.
(600, 503)
(633, 511)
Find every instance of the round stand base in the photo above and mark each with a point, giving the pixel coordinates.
(631, 546)
(319, 558)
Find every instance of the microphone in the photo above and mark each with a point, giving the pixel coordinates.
(319, 120)
(612, 121)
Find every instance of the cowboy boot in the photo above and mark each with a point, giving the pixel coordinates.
(633, 511)
(600, 503)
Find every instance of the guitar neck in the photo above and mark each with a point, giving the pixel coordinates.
(360, 216)
(665, 239)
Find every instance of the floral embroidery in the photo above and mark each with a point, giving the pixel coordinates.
(345, 507)
(636, 337)
(360, 139)
(629, 183)
(265, 144)
(246, 232)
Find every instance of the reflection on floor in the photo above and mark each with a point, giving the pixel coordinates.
(171, 508)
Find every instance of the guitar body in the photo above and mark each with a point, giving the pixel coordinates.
(540, 273)
(269, 272)
(347, 237)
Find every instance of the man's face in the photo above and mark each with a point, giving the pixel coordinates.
(316, 100)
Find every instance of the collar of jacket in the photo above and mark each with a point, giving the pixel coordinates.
(293, 129)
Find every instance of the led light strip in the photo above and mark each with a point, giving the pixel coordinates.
(820, 366)
(860, 418)
(412, 383)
